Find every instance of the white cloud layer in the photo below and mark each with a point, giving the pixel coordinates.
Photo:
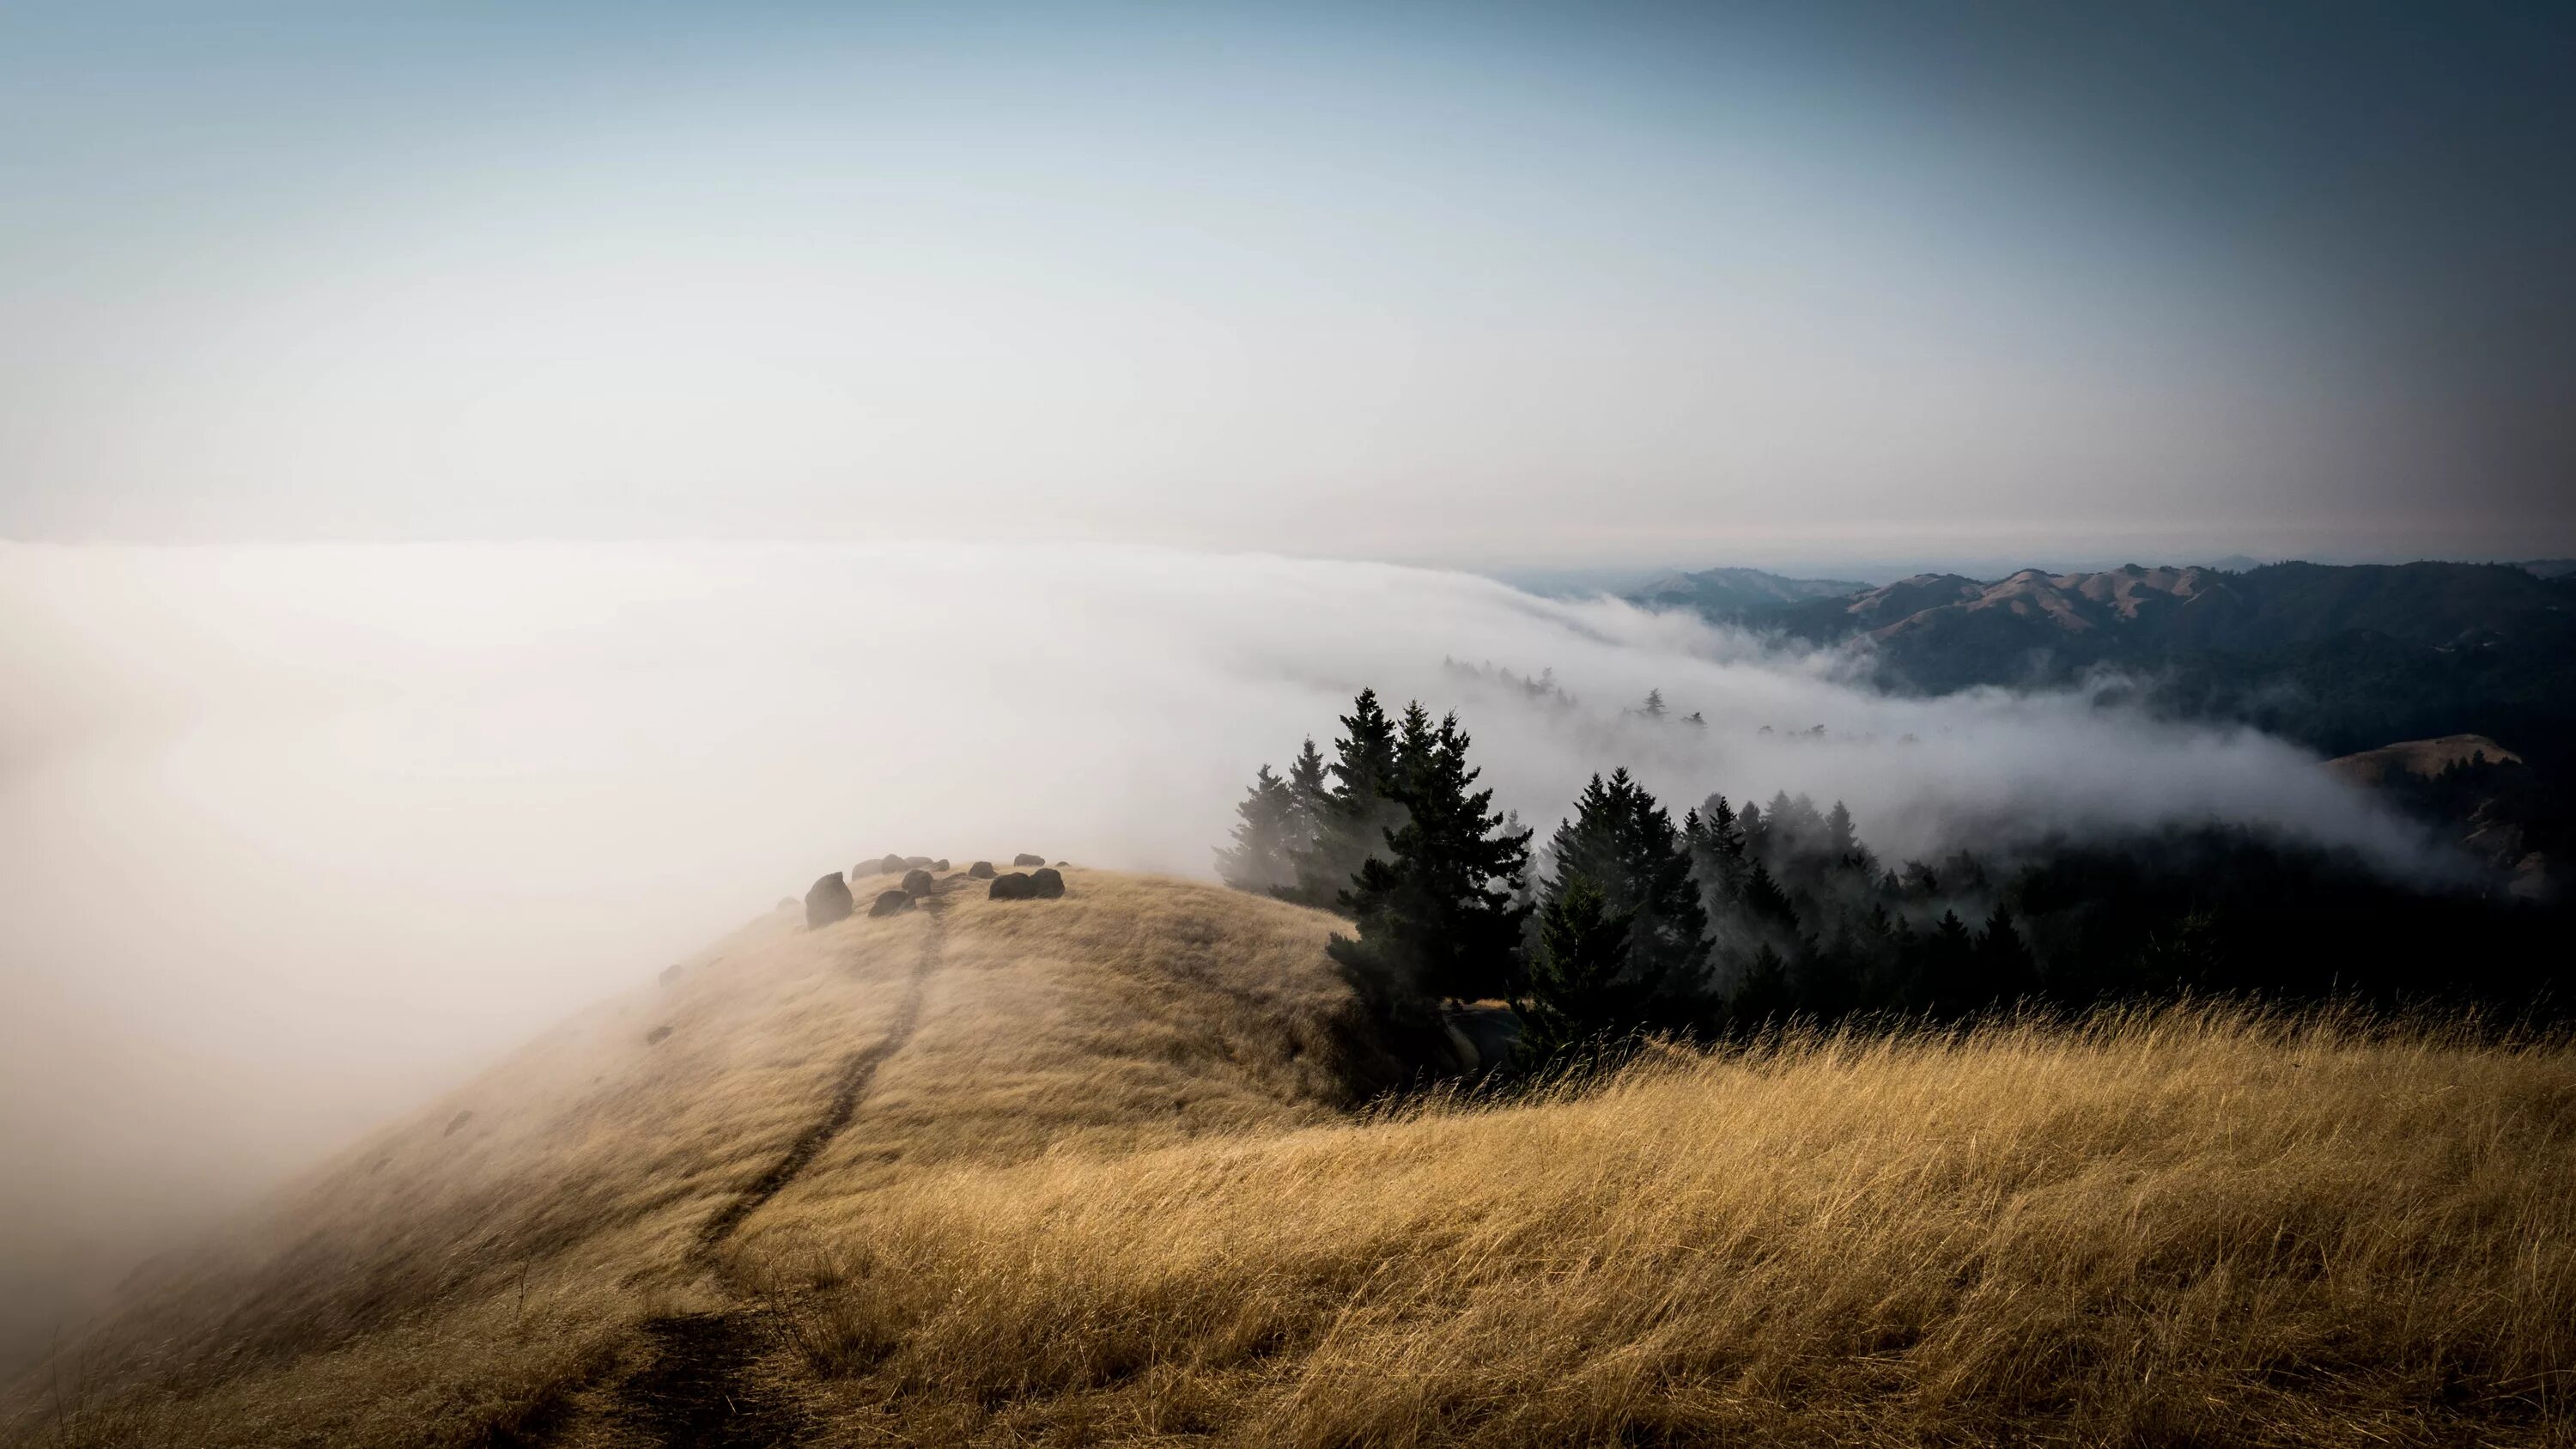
(288, 837)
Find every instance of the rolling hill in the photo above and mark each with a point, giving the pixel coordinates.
(1104, 1169)
(2342, 658)
(1946, 631)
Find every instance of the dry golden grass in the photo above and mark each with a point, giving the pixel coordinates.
(1108, 1191)
(2187, 1227)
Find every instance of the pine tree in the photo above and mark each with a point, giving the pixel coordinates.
(1575, 992)
(1312, 796)
(1762, 993)
(1354, 816)
(1440, 913)
(1945, 969)
(1654, 705)
(1839, 837)
(1621, 843)
(1264, 837)
(1765, 902)
(2004, 964)
(1717, 852)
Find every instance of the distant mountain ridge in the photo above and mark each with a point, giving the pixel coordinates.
(1946, 631)
(2343, 657)
(1723, 593)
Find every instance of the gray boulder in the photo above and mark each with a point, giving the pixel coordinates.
(1045, 883)
(915, 862)
(890, 865)
(889, 902)
(917, 882)
(1012, 887)
(827, 902)
(940, 865)
(1024, 858)
(980, 870)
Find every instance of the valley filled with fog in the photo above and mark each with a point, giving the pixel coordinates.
(292, 837)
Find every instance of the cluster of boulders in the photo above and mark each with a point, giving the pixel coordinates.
(830, 899)
(1043, 884)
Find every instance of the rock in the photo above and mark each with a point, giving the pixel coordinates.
(915, 862)
(917, 882)
(656, 1035)
(940, 865)
(671, 972)
(1012, 887)
(1045, 883)
(785, 903)
(1061, 864)
(891, 865)
(980, 870)
(828, 901)
(889, 902)
(1024, 858)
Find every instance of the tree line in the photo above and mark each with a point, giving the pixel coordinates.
(1738, 914)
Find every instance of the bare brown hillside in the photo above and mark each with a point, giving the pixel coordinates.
(2420, 757)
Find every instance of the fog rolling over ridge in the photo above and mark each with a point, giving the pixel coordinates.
(291, 836)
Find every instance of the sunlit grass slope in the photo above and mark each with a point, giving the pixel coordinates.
(1108, 1189)
(2190, 1228)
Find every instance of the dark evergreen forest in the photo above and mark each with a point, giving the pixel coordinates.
(1743, 912)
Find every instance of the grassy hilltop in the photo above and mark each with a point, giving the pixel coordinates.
(1094, 1169)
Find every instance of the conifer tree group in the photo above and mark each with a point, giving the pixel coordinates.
(1732, 917)
(1439, 907)
(1744, 913)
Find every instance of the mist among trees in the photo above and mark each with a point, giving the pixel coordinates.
(1741, 913)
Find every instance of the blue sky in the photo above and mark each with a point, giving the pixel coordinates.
(1487, 286)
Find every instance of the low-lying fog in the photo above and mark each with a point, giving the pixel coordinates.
(290, 838)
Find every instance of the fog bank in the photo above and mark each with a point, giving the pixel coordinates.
(291, 837)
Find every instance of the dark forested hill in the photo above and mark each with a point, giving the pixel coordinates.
(1943, 631)
(2342, 657)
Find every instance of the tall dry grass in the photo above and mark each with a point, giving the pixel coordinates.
(2195, 1226)
(1111, 1189)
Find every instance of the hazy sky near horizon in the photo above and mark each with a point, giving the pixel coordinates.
(1475, 285)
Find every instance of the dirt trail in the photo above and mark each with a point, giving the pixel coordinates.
(695, 1385)
(857, 1073)
(693, 1389)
